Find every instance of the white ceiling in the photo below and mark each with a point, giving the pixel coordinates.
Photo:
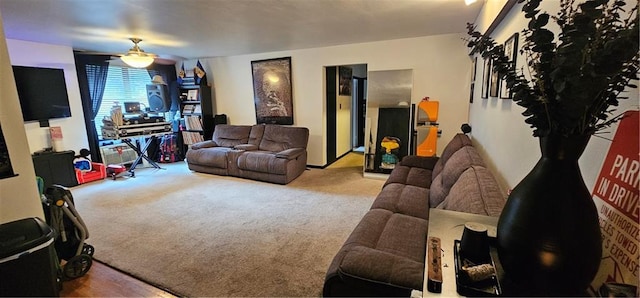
(189, 29)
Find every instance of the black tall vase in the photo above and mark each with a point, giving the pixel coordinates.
(549, 241)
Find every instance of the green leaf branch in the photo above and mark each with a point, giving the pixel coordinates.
(574, 80)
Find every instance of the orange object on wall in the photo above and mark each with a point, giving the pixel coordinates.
(427, 129)
(428, 111)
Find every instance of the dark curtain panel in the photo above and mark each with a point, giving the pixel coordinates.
(92, 77)
(168, 74)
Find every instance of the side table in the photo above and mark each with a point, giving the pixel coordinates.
(448, 226)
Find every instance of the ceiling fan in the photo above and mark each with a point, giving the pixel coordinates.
(137, 57)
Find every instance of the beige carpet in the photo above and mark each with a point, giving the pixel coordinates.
(205, 235)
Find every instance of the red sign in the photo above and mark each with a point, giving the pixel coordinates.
(616, 196)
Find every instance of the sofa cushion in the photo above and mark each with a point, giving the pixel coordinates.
(458, 141)
(214, 157)
(404, 199)
(475, 192)
(416, 176)
(255, 137)
(230, 135)
(456, 164)
(373, 253)
(262, 161)
(277, 138)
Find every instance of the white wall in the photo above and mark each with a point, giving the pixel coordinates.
(26, 53)
(18, 195)
(441, 69)
(499, 131)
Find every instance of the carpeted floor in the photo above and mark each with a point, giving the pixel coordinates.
(205, 235)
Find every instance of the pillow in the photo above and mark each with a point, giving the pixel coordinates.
(82, 164)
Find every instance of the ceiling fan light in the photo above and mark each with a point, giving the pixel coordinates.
(137, 61)
(136, 57)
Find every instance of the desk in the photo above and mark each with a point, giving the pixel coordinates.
(448, 226)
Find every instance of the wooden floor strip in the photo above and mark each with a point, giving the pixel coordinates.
(105, 281)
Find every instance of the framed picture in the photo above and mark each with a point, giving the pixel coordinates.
(474, 61)
(346, 78)
(192, 95)
(6, 170)
(494, 82)
(510, 50)
(486, 74)
(272, 91)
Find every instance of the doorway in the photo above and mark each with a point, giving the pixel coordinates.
(345, 109)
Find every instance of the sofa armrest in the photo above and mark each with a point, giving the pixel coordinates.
(290, 153)
(425, 162)
(204, 144)
(99, 167)
(246, 147)
(374, 265)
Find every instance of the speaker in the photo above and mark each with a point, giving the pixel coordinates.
(158, 96)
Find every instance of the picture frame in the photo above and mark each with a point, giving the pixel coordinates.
(511, 51)
(486, 74)
(474, 61)
(192, 95)
(6, 170)
(272, 91)
(494, 82)
(345, 81)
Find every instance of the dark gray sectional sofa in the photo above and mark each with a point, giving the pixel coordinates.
(265, 152)
(385, 253)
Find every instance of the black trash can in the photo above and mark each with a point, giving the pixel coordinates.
(28, 261)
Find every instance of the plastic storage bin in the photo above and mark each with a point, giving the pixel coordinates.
(28, 261)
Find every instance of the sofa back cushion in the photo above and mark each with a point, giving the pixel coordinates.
(475, 192)
(458, 141)
(277, 138)
(459, 162)
(230, 135)
(255, 137)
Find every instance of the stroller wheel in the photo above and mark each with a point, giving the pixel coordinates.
(77, 266)
(88, 249)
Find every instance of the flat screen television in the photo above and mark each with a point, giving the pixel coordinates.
(42, 92)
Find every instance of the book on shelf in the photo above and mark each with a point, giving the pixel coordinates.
(197, 109)
(192, 123)
(189, 137)
(188, 109)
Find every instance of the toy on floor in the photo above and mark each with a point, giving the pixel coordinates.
(114, 171)
(389, 160)
(87, 170)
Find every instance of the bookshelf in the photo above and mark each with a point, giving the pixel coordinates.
(196, 109)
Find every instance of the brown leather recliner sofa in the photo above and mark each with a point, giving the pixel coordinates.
(385, 253)
(265, 152)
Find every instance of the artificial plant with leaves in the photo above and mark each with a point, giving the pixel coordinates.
(570, 84)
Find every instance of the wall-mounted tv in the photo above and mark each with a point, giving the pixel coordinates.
(42, 92)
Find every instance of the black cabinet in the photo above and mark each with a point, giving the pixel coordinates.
(55, 168)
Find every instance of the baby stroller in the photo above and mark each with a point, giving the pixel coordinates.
(61, 215)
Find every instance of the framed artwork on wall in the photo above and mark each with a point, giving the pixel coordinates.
(345, 80)
(486, 74)
(474, 61)
(494, 82)
(6, 170)
(511, 51)
(272, 91)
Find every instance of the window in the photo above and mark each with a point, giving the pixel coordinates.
(123, 84)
